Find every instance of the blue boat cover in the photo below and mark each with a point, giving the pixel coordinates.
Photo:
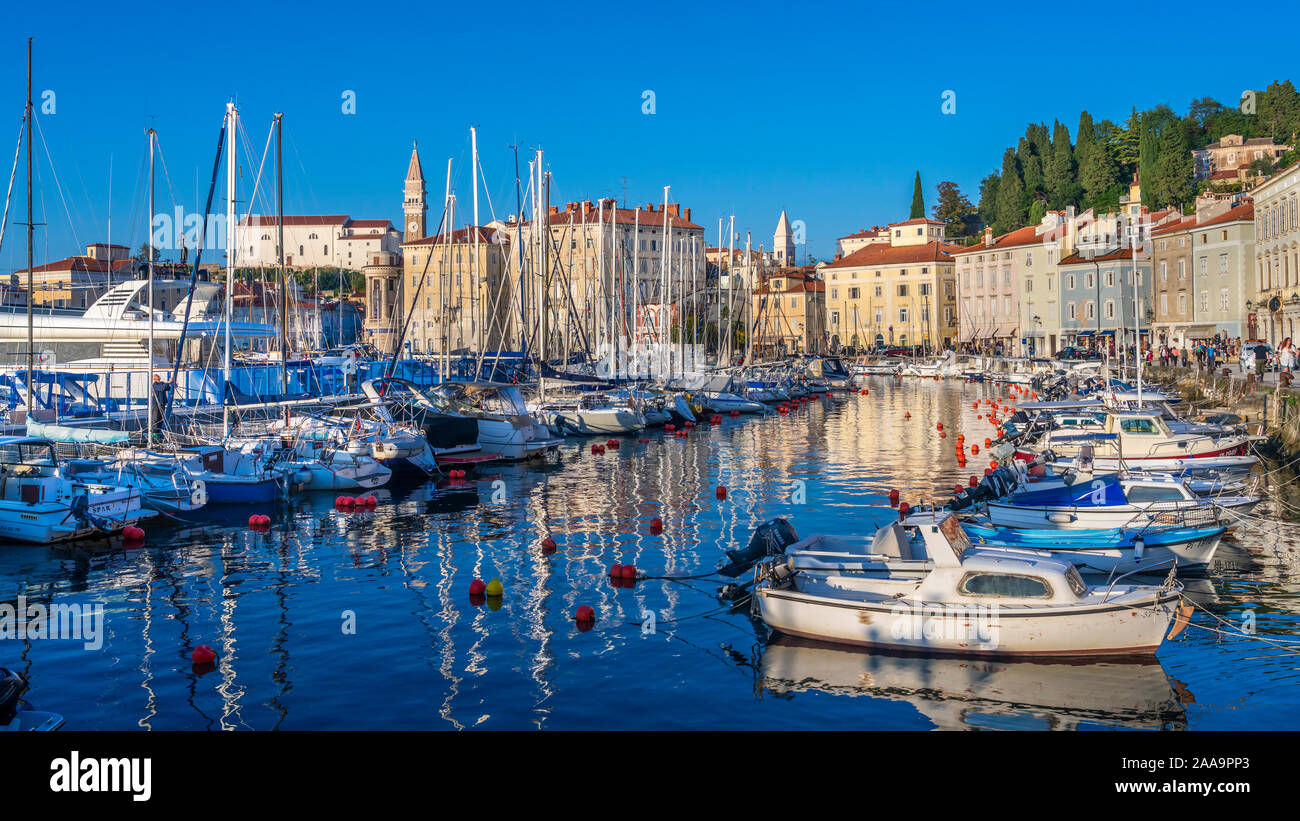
(1098, 492)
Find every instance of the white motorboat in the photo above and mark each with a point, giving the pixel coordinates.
(41, 502)
(1085, 501)
(505, 427)
(591, 414)
(1141, 439)
(930, 591)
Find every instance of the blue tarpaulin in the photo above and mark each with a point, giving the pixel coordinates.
(1100, 491)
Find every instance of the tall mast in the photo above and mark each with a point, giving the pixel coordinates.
(150, 395)
(31, 385)
(285, 343)
(636, 287)
(665, 295)
(232, 117)
(475, 304)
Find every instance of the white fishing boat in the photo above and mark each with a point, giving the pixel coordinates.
(930, 591)
(42, 502)
(591, 414)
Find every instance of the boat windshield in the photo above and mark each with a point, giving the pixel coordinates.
(13, 454)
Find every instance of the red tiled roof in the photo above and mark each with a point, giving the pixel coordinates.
(386, 224)
(361, 236)
(79, 263)
(1021, 236)
(459, 235)
(326, 219)
(882, 254)
(621, 216)
(918, 221)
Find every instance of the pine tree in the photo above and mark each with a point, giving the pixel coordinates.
(954, 210)
(1097, 172)
(918, 200)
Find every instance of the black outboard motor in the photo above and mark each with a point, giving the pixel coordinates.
(12, 687)
(769, 539)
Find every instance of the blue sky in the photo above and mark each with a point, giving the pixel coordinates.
(824, 110)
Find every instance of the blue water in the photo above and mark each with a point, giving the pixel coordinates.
(277, 606)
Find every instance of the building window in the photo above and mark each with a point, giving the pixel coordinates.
(835, 317)
(925, 289)
(854, 293)
(902, 290)
(1070, 310)
(902, 315)
(1069, 282)
(1223, 299)
(1110, 309)
(1182, 304)
(1205, 301)
(1029, 259)
(1182, 269)
(1164, 271)
(1164, 304)
(1089, 309)
(1204, 266)
(880, 290)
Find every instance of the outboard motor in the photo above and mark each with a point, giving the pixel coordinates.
(12, 687)
(769, 539)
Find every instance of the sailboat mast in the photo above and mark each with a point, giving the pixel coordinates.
(31, 385)
(150, 396)
(232, 117)
(475, 276)
(285, 344)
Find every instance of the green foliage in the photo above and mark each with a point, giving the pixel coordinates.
(1011, 188)
(988, 207)
(918, 200)
(954, 210)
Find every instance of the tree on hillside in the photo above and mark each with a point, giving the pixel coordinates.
(1278, 109)
(1062, 173)
(988, 207)
(1011, 207)
(918, 200)
(953, 208)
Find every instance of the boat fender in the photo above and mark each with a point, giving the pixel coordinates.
(1139, 547)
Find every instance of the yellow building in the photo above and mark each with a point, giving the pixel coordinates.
(900, 292)
(789, 313)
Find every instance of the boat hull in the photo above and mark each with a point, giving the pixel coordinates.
(1103, 630)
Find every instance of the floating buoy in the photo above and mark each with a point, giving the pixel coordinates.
(974, 481)
(735, 413)
(628, 571)
(585, 614)
(957, 490)
(864, 392)
(689, 424)
(494, 587)
(616, 571)
(656, 525)
(987, 471)
(974, 448)
(345, 501)
(893, 497)
(716, 419)
(721, 492)
(670, 427)
(987, 442)
(253, 521)
(907, 415)
(961, 437)
(477, 587)
(595, 449)
(203, 654)
(902, 510)
(613, 444)
(645, 440)
(133, 534)
(943, 435)
(939, 426)
(993, 463)
(548, 543)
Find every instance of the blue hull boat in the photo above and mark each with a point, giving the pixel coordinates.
(1114, 550)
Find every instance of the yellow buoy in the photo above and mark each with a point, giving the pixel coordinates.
(494, 587)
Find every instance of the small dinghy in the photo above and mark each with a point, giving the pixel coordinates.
(922, 587)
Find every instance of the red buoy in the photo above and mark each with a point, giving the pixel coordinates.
(735, 413)
(595, 449)
(656, 525)
(548, 543)
(957, 490)
(987, 442)
(943, 435)
(893, 497)
(721, 492)
(974, 448)
(616, 571)
(939, 426)
(902, 510)
(612, 444)
(629, 571)
(993, 463)
(477, 587)
(670, 427)
(203, 654)
(585, 614)
(974, 481)
(907, 415)
(689, 424)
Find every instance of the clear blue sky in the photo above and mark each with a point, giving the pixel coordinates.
(824, 110)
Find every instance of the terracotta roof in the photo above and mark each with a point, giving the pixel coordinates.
(882, 254)
(459, 235)
(1021, 236)
(620, 216)
(385, 224)
(79, 263)
(1174, 226)
(867, 233)
(325, 219)
(362, 236)
(918, 221)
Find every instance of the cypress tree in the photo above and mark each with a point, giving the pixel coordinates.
(918, 199)
(1062, 187)
(988, 207)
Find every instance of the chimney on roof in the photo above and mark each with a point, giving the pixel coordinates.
(674, 209)
(554, 209)
(688, 215)
(837, 256)
(988, 236)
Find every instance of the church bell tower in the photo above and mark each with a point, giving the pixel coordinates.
(414, 205)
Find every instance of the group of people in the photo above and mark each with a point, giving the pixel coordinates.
(1206, 354)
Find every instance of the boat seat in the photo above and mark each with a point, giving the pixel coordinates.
(892, 541)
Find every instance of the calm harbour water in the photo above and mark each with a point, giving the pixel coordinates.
(274, 605)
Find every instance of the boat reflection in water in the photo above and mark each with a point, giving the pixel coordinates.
(957, 693)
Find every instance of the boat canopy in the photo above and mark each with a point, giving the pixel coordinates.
(65, 433)
(1103, 490)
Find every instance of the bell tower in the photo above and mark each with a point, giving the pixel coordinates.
(414, 205)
